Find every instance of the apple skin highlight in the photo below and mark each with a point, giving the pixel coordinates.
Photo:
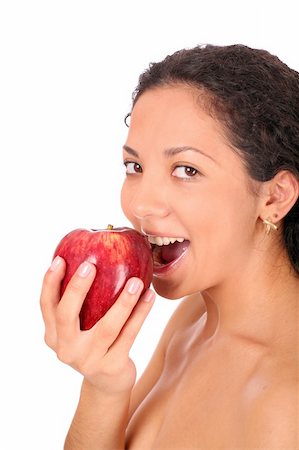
(117, 253)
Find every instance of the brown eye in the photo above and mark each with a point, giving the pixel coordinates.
(185, 172)
(190, 171)
(132, 167)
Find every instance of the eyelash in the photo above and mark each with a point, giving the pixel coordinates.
(188, 177)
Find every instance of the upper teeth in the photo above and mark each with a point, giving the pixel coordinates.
(164, 240)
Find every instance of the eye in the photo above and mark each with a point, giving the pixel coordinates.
(185, 172)
(132, 167)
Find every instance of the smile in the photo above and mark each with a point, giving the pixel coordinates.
(168, 252)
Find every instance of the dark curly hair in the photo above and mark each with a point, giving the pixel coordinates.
(255, 96)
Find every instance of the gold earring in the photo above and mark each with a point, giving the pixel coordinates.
(269, 225)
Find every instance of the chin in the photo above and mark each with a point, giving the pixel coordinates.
(169, 290)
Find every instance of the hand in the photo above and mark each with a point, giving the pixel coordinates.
(100, 354)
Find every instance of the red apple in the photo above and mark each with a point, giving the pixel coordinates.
(118, 254)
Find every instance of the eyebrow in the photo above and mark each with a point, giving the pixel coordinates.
(172, 151)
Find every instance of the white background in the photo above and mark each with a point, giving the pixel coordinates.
(67, 71)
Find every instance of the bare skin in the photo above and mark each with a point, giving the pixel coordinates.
(223, 392)
(225, 373)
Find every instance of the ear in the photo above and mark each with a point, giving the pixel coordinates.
(280, 195)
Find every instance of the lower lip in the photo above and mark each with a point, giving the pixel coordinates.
(166, 269)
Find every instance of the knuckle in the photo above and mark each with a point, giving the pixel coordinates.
(108, 332)
(50, 340)
(77, 286)
(74, 286)
(126, 303)
(64, 355)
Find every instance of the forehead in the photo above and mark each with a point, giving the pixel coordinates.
(170, 101)
(172, 116)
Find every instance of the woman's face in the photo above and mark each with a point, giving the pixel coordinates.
(184, 181)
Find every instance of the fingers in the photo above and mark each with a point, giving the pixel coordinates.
(119, 327)
(109, 327)
(50, 296)
(132, 327)
(62, 317)
(67, 313)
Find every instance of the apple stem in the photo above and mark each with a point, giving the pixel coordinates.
(110, 227)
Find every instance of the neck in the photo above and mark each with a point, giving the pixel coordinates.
(258, 305)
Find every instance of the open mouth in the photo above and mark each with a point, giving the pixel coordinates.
(167, 251)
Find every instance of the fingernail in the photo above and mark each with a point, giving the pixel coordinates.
(55, 263)
(84, 269)
(133, 285)
(149, 296)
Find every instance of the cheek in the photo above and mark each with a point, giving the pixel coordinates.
(200, 211)
(221, 215)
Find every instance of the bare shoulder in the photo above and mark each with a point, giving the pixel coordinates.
(272, 420)
(189, 310)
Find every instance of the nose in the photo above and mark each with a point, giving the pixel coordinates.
(150, 199)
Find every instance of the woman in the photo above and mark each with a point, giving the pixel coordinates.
(212, 163)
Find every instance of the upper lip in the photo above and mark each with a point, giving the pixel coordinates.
(161, 234)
